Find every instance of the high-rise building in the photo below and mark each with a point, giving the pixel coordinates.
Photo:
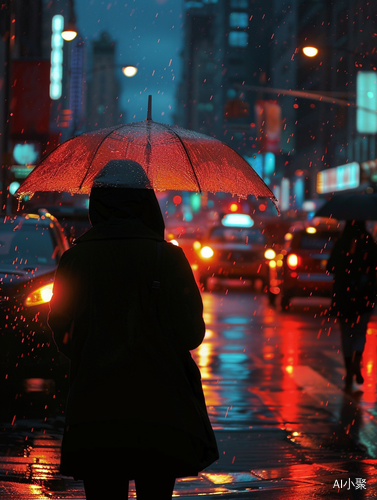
(102, 108)
(77, 103)
(256, 73)
(320, 118)
(223, 52)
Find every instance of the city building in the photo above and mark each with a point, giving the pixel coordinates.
(103, 86)
(34, 94)
(247, 82)
(225, 69)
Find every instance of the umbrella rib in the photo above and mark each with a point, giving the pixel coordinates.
(188, 157)
(95, 152)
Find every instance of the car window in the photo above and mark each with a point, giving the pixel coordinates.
(26, 245)
(237, 235)
(317, 241)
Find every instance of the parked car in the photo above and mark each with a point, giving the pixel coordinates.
(234, 249)
(308, 247)
(30, 248)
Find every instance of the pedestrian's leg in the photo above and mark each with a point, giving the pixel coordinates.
(347, 352)
(357, 367)
(152, 487)
(101, 488)
(358, 344)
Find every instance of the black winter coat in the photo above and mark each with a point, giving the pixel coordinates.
(353, 262)
(130, 372)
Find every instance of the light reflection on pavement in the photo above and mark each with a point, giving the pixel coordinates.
(273, 385)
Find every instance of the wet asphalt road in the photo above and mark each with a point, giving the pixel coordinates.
(273, 384)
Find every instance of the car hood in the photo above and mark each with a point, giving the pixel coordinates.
(234, 246)
(10, 276)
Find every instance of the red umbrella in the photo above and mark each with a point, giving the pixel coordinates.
(173, 158)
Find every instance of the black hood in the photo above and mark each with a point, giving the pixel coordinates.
(111, 203)
(122, 191)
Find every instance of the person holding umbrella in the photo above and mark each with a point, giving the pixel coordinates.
(353, 261)
(127, 311)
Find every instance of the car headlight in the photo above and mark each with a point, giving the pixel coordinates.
(269, 254)
(40, 296)
(206, 252)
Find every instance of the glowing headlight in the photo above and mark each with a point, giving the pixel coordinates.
(269, 254)
(206, 252)
(40, 296)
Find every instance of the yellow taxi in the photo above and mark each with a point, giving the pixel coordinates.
(233, 250)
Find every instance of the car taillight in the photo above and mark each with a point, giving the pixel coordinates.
(40, 296)
(206, 252)
(292, 261)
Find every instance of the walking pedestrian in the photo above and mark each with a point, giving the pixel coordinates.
(127, 311)
(353, 262)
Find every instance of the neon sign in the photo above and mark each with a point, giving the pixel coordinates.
(56, 73)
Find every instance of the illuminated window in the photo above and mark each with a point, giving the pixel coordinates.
(238, 39)
(239, 20)
(241, 4)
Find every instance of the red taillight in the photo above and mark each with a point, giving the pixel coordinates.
(292, 261)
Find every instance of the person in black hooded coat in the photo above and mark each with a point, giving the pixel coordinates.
(353, 262)
(135, 407)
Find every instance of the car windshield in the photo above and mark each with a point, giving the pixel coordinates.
(238, 235)
(316, 241)
(24, 244)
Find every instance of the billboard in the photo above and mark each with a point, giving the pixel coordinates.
(269, 125)
(338, 178)
(30, 101)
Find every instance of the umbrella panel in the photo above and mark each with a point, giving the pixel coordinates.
(173, 159)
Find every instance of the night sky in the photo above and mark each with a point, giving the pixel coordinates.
(148, 34)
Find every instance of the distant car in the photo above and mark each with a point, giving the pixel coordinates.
(308, 247)
(234, 249)
(74, 225)
(30, 248)
(188, 237)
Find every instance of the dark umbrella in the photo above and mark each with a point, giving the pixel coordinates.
(350, 206)
(173, 158)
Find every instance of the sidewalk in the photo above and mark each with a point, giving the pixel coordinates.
(264, 462)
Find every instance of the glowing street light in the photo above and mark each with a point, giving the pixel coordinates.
(310, 51)
(129, 71)
(70, 32)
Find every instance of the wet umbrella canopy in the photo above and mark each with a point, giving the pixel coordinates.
(350, 206)
(172, 157)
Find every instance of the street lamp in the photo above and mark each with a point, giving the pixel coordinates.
(310, 51)
(366, 87)
(313, 50)
(70, 32)
(129, 71)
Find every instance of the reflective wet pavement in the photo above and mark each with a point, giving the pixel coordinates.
(273, 385)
